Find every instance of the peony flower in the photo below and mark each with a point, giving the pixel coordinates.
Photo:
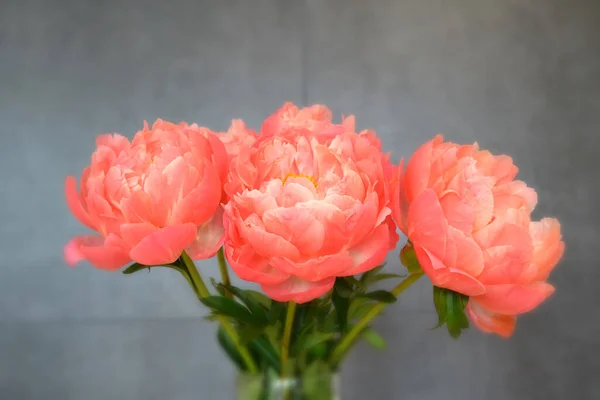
(150, 199)
(469, 223)
(314, 120)
(304, 210)
(237, 137)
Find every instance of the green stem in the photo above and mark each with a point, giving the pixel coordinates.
(224, 271)
(195, 275)
(287, 334)
(347, 340)
(202, 291)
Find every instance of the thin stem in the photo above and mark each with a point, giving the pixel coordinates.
(202, 291)
(344, 345)
(287, 334)
(224, 270)
(195, 275)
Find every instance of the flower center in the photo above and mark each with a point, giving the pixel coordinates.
(309, 177)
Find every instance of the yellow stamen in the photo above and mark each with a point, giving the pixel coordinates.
(309, 177)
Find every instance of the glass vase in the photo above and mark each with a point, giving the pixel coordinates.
(268, 386)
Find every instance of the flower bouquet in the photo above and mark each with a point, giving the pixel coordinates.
(308, 209)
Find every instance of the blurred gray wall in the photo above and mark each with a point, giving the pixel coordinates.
(519, 76)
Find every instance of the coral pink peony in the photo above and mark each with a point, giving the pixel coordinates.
(469, 222)
(237, 137)
(305, 209)
(315, 120)
(150, 199)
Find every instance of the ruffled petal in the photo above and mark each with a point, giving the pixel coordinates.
(164, 246)
(105, 254)
(269, 245)
(75, 205)
(251, 267)
(427, 225)
(458, 213)
(298, 290)
(132, 234)
(514, 299)
(548, 247)
(399, 202)
(315, 269)
(371, 252)
(210, 236)
(449, 278)
(503, 325)
(418, 169)
(200, 204)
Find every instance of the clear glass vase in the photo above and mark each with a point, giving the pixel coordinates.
(268, 386)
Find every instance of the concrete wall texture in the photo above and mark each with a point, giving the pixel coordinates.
(519, 76)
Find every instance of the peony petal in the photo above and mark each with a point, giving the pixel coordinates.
(418, 169)
(269, 245)
(469, 257)
(514, 299)
(474, 189)
(361, 220)
(200, 204)
(548, 247)
(210, 236)
(371, 252)
(132, 234)
(427, 225)
(75, 203)
(399, 202)
(449, 278)
(137, 207)
(503, 325)
(164, 246)
(297, 190)
(298, 290)
(315, 269)
(458, 213)
(298, 226)
(507, 255)
(513, 195)
(250, 266)
(97, 251)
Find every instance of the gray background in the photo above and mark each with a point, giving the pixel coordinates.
(521, 77)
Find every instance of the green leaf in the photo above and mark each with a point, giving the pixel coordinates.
(229, 308)
(450, 307)
(230, 349)
(382, 296)
(217, 286)
(135, 267)
(331, 323)
(341, 305)
(342, 288)
(321, 350)
(439, 301)
(266, 352)
(259, 298)
(277, 311)
(248, 333)
(374, 339)
(359, 308)
(308, 341)
(365, 279)
(255, 307)
(351, 281)
(408, 257)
